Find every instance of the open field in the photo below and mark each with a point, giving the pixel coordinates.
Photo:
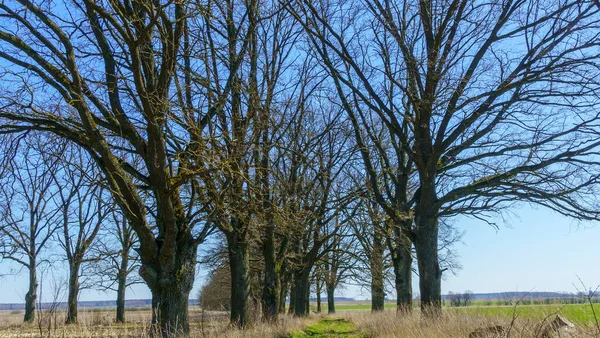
(99, 323)
(352, 321)
(577, 313)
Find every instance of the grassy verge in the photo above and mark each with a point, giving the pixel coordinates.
(329, 327)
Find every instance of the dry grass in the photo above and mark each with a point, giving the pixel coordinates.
(100, 324)
(388, 325)
(215, 324)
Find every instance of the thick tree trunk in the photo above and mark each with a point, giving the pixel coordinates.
(402, 260)
(270, 294)
(430, 276)
(170, 285)
(307, 297)
(330, 299)
(170, 279)
(318, 296)
(377, 295)
(171, 301)
(376, 267)
(426, 247)
(31, 295)
(301, 292)
(121, 286)
(240, 281)
(73, 294)
(154, 309)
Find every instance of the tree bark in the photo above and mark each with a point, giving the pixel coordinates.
(292, 307)
(430, 276)
(270, 294)
(170, 284)
(318, 296)
(171, 301)
(240, 281)
(402, 261)
(122, 285)
(122, 278)
(377, 294)
(426, 247)
(307, 297)
(31, 295)
(301, 292)
(154, 309)
(73, 294)
(330, 299)
(376, 267)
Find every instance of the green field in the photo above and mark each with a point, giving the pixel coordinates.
(577, 313)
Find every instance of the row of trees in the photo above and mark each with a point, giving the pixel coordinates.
(54, 209)
(289, 129)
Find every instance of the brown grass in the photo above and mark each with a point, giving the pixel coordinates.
(453, 324)
(99, 323)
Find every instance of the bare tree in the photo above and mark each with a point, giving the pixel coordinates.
(100, 74)
(483, 123)
(84, 208)
(28, 217)
(116, 260)
(369, 228)
(338, 262)
(319, 195)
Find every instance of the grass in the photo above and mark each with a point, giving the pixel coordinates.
(352, 306)
(577, 313)
(352, 321)
(330, 327)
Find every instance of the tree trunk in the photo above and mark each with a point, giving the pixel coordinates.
(31, 295)
(301, 292)
(170, 281)
(171, 301)
(318, 296)
(292, 307)
(73, 294)
(154, 309)
(376, 267)
(377, 295)
(122, 285)
(270, 294)
(402, 260)
(330, 299)
(307, 297)
(426, 247)
(170, 285)
(240, 281)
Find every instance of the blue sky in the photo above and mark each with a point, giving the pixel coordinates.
(536, 250)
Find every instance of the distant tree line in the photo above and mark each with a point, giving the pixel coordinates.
(459, 299)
